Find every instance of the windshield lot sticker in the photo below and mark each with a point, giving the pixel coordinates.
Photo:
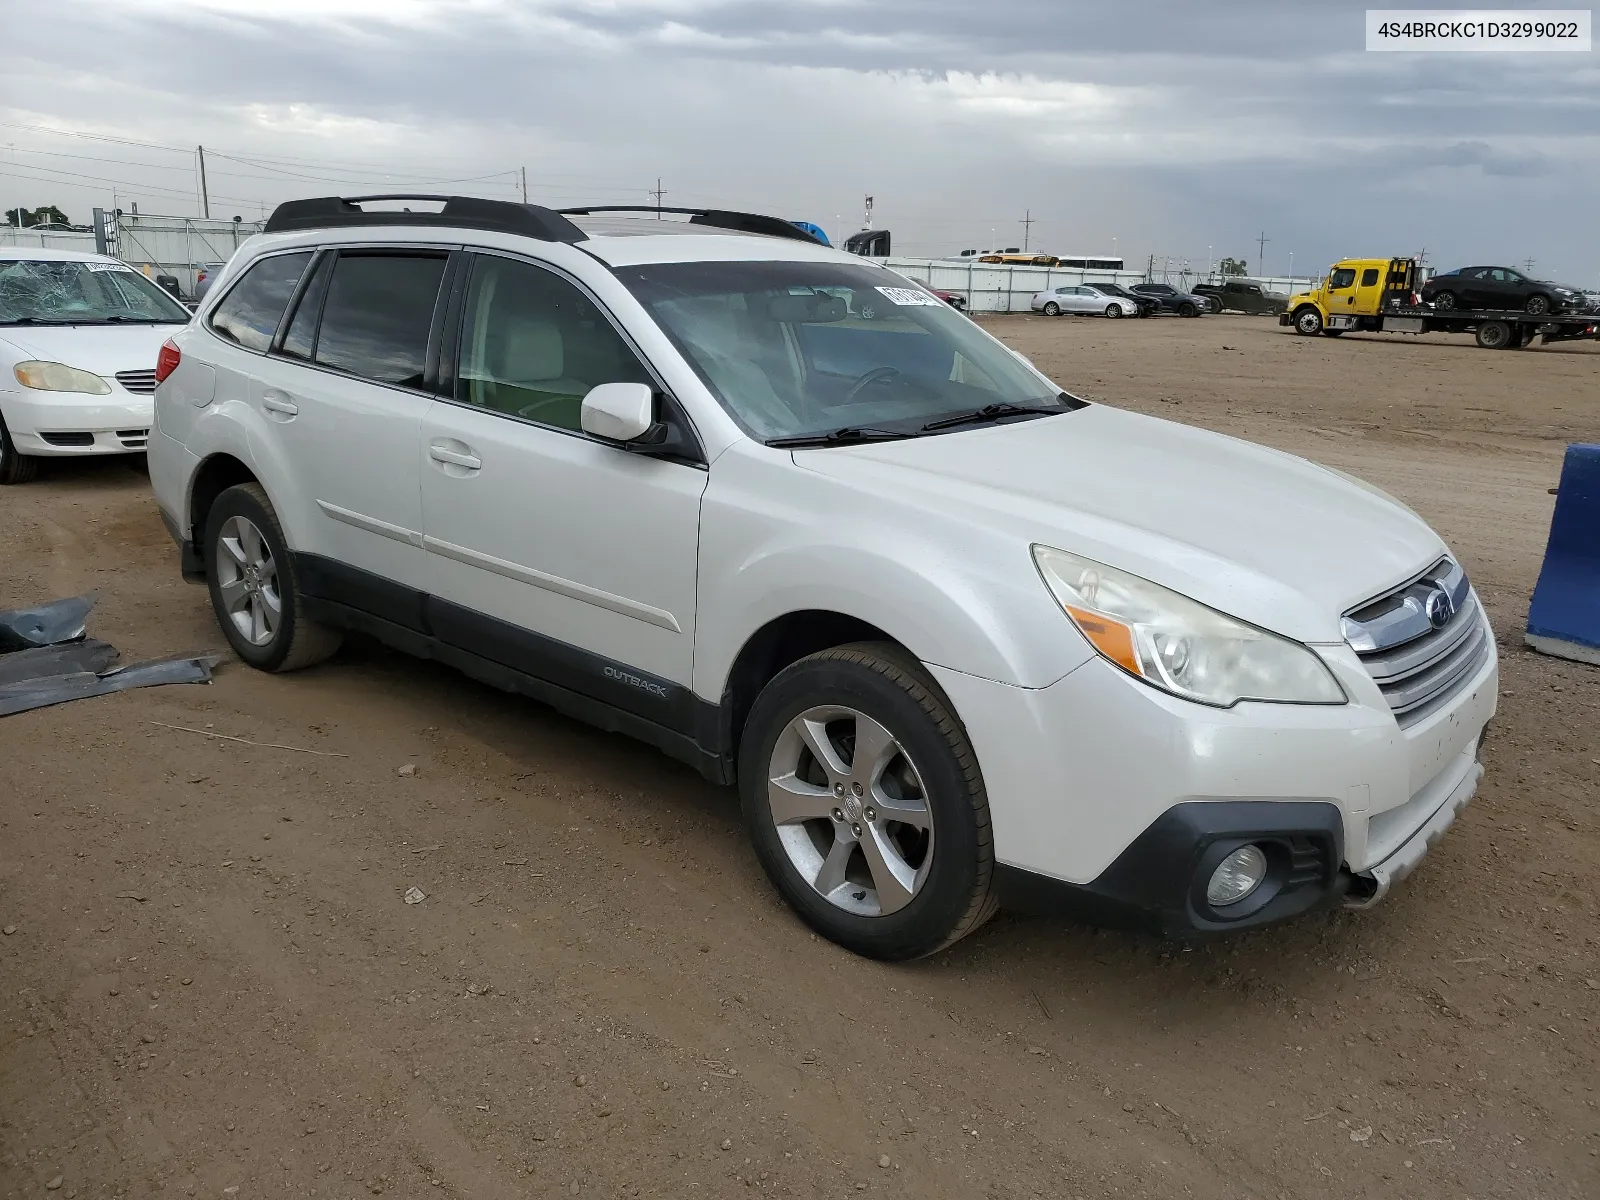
(910, 296)
(98, 267)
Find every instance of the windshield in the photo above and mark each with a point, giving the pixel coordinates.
(78, 292)
(798, 349)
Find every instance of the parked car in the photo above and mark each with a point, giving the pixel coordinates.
(959, 637)
(1148, 306)
(954, 299)
(1242, 295)
(1500, 288)
(79, 334)
(1082, 299)
(1185, 304)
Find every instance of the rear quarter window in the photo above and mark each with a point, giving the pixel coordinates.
(249, 314)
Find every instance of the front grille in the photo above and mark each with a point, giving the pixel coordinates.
(68, 439)
(1421, 642)
(143, 382)
(133, 439)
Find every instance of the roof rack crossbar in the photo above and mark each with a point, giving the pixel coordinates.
(470, 212)
(717, 218)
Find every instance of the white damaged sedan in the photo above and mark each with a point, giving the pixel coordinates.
(79, 337)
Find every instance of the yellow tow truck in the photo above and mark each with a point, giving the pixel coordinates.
(1379, 295)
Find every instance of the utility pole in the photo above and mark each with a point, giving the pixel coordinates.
(1527, 265)
(658, 193)
(1261, 251)
(1027, 227)
(205, 196)
(524, 184)
(867, 220)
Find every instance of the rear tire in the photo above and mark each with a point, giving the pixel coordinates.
(1444, 301)
(14, 467)
(1333, 333)
(1308, 321)
(254, 588)
(1494, 335)
(879, 886)
(1052, 309)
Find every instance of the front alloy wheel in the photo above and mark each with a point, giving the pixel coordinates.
(850, 810)
(865, 804)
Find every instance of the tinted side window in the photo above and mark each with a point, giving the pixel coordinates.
(301, 337)
(1342, 278)
(533, 345)
(250, 312)
(1369, 277)
(377, 315)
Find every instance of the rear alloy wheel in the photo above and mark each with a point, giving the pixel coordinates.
(1052, 309)
(1538, 305)
(1494, 335)
(1444, 301)
(1308, 321)
(252, 581)
(14, 467)
(1114, 310)
(865, 804)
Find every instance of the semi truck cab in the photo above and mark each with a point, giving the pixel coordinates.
(1354, 294)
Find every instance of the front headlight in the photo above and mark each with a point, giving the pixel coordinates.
(1178, 644)
(53, 377)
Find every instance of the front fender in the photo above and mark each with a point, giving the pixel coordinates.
(954, 595)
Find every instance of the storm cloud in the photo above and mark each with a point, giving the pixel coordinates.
(1161, 127)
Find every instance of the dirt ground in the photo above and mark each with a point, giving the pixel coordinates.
(210, 984)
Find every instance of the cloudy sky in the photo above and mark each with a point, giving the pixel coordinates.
(1166, 127)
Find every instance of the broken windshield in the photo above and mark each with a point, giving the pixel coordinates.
(81, 292)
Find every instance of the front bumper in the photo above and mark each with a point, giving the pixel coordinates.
(1106, 795)
(73, 423)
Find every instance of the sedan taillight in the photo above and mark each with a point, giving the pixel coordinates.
(167, 361)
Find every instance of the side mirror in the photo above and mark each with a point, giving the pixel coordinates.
(618, 412)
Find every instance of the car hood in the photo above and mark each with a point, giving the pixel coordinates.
(1264, 536)
(103, 349)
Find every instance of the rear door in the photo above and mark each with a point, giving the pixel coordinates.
(343, 395)
(1368, 291)
(1477, 290)
(551, 552)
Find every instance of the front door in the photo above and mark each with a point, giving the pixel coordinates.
(550, 552)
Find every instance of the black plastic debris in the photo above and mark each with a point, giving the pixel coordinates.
(47, 625)
(45, 659)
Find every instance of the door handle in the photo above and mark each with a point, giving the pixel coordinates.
(275, 401)
(456, 458)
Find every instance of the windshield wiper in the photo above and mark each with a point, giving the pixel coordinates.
(111, 320)
(847, 433)
(990, 412)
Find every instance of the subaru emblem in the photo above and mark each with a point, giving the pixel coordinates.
(1439, 608)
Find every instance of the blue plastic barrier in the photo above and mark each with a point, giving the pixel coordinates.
(1564, 618)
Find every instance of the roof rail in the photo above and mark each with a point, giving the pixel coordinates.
(718, 218)
(469, 212)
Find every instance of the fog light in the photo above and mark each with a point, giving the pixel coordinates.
(1237, 876)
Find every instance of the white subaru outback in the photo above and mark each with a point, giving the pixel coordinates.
(960, 638)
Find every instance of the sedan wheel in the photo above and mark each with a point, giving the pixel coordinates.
(1444, 301)
(1537, 305)
(1113, 310)
(1052, 309)
(14, 467)
(850, 810)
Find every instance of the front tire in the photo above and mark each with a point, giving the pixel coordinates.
(1188, 309)
(14, 467)
(865, 803)
(1538, 305)
(1114, 311)
(254, 588)
(1308, 321)
(1052, 309)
